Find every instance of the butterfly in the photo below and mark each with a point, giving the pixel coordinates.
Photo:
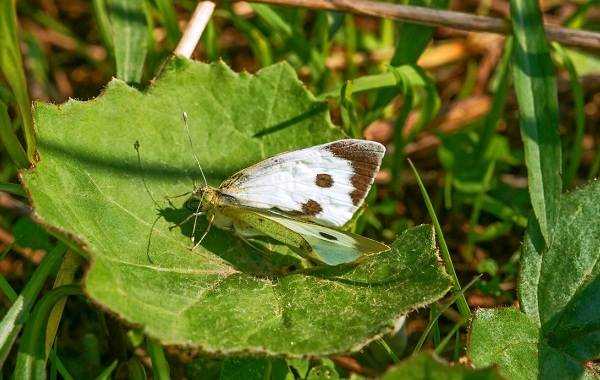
(301, 199)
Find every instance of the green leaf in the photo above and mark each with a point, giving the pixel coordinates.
(11, 65)
(535, 85)
(559, 288)
(426, 367)
(508, 338)
(130, 37)
(224, 296)
(559, 293)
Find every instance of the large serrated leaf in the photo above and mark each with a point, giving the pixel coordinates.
(559, 292)
(224, 296)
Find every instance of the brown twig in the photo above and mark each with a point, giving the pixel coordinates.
(438, 17)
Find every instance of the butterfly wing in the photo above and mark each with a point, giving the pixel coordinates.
(324, 183)
(319, 243)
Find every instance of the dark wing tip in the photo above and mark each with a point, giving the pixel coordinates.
(365, 157)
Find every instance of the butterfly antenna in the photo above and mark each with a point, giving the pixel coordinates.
(187, 130)
(136, 146)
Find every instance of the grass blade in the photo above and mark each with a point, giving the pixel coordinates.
(439, 350)
(463, 306)
(492, 119)
(11, 64)
(272, 19)
(130, 38)
(60, 367)
(414, 38)
(389, 350)
(576, 149)
(211, 42)
(388, 79)
(9, 139)
(411, 43)
(169, 18)
(31, 360)
(160, 365)
(107, 372)
(259, 44)
(7, 290)
(436, 316)
(535, 85)
(103, 23)
(65, 276)
(15, 317)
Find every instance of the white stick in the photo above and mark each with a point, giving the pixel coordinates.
(195, 27)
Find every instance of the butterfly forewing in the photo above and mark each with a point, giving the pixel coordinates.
(325, 183)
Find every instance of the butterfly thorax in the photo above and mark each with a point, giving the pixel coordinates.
(210, 198)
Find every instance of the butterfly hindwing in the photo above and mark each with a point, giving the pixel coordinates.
(318, 243)
(331, 246)
(325, 184)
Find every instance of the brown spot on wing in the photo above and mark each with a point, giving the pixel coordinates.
(324, 180)
(365, 159)
(311, 208)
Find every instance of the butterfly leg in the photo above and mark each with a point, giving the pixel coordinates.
(168, 198)
(196, 214)
(210, 223)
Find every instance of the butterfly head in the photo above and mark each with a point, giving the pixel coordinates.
(203, 199)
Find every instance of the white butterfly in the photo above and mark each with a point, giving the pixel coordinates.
(301, 199)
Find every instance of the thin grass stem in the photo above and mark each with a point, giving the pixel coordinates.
(463, 306)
